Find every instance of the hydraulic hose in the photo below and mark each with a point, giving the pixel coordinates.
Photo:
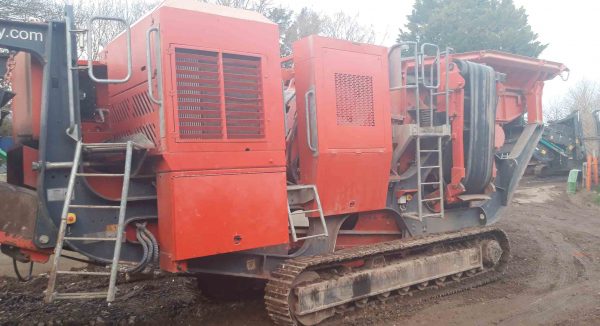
(144, 261)
(18, 274)
(154, 244)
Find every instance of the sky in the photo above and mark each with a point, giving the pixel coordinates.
(570, 27)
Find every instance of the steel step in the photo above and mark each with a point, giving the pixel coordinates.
(84, 273)
(95, 206)
(90, 239)
(100, 174)
(81, 295)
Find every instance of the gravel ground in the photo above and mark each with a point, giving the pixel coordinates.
(553, 279)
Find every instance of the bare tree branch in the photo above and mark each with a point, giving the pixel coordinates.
(585, 98)
(345, 27)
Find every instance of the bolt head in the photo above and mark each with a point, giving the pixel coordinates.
(44, 239)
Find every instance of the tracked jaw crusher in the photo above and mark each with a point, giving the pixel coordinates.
(374, 173)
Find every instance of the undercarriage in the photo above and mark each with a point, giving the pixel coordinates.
(308, 290)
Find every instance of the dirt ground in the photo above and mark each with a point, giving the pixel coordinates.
(553, 279)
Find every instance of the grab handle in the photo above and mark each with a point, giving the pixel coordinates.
(309, 115)
(90, 51)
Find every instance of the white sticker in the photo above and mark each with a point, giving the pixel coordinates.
(57, 194)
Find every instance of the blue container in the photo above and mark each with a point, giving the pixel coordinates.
(6, 143)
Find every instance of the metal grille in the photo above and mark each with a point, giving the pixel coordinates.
(198, 94)
(243, 96)
(354, 100)
(134, 113)
(219, 95)
(147, 130)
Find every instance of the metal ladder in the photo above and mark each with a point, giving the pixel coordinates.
(291, 189)
(425, 119)
(421, 183)
(51, 294)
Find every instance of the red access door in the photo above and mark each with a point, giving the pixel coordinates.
(344, 88)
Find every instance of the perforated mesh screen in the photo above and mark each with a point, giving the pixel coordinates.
(243, 96)
(218, 92)
(354, 100)
(198, 94)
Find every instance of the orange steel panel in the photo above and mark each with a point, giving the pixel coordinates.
(228, 37)
(350, 80)
(208, 214)
(30, 177)
(250, 158)
(26, 106)
(221, 162)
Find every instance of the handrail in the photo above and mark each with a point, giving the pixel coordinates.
(435, 64)
(90, 50)
(310, 92)
(157, 54)
(149, 62)
(73, 129)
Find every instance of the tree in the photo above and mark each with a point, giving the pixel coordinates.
(307, 22)
(5, 124)
(469, 25)
(584, 97)
(30, 9)
(294, 26)
(104, 31)
(556, 109)
(345, 27)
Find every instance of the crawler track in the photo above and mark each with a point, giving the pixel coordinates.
(280, 291)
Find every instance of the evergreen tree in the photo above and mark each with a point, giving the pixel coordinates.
(469, 25)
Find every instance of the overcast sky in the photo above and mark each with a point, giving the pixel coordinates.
(570, 27)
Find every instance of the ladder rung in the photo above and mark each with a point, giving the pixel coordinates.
(431, 199)
(79, 68)
(429, 151)
(431, 134)
(432, 215)
(100, 174)
(80, 295)
(431, 167)
(110, 146)
(95, 206)
(104, 145)
(83, 273)
(78, 31)
(308, 211)
(311, 236)
(430, 183)
(90, 239)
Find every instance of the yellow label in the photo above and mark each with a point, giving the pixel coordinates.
(71, 218)
(111, 228)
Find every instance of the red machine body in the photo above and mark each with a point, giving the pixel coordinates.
(228, 175)
(348, 122)
(221, 159)
(375, 147)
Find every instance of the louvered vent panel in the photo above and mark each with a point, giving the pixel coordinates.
(243, 96)
(198, 94)
(354, 100)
